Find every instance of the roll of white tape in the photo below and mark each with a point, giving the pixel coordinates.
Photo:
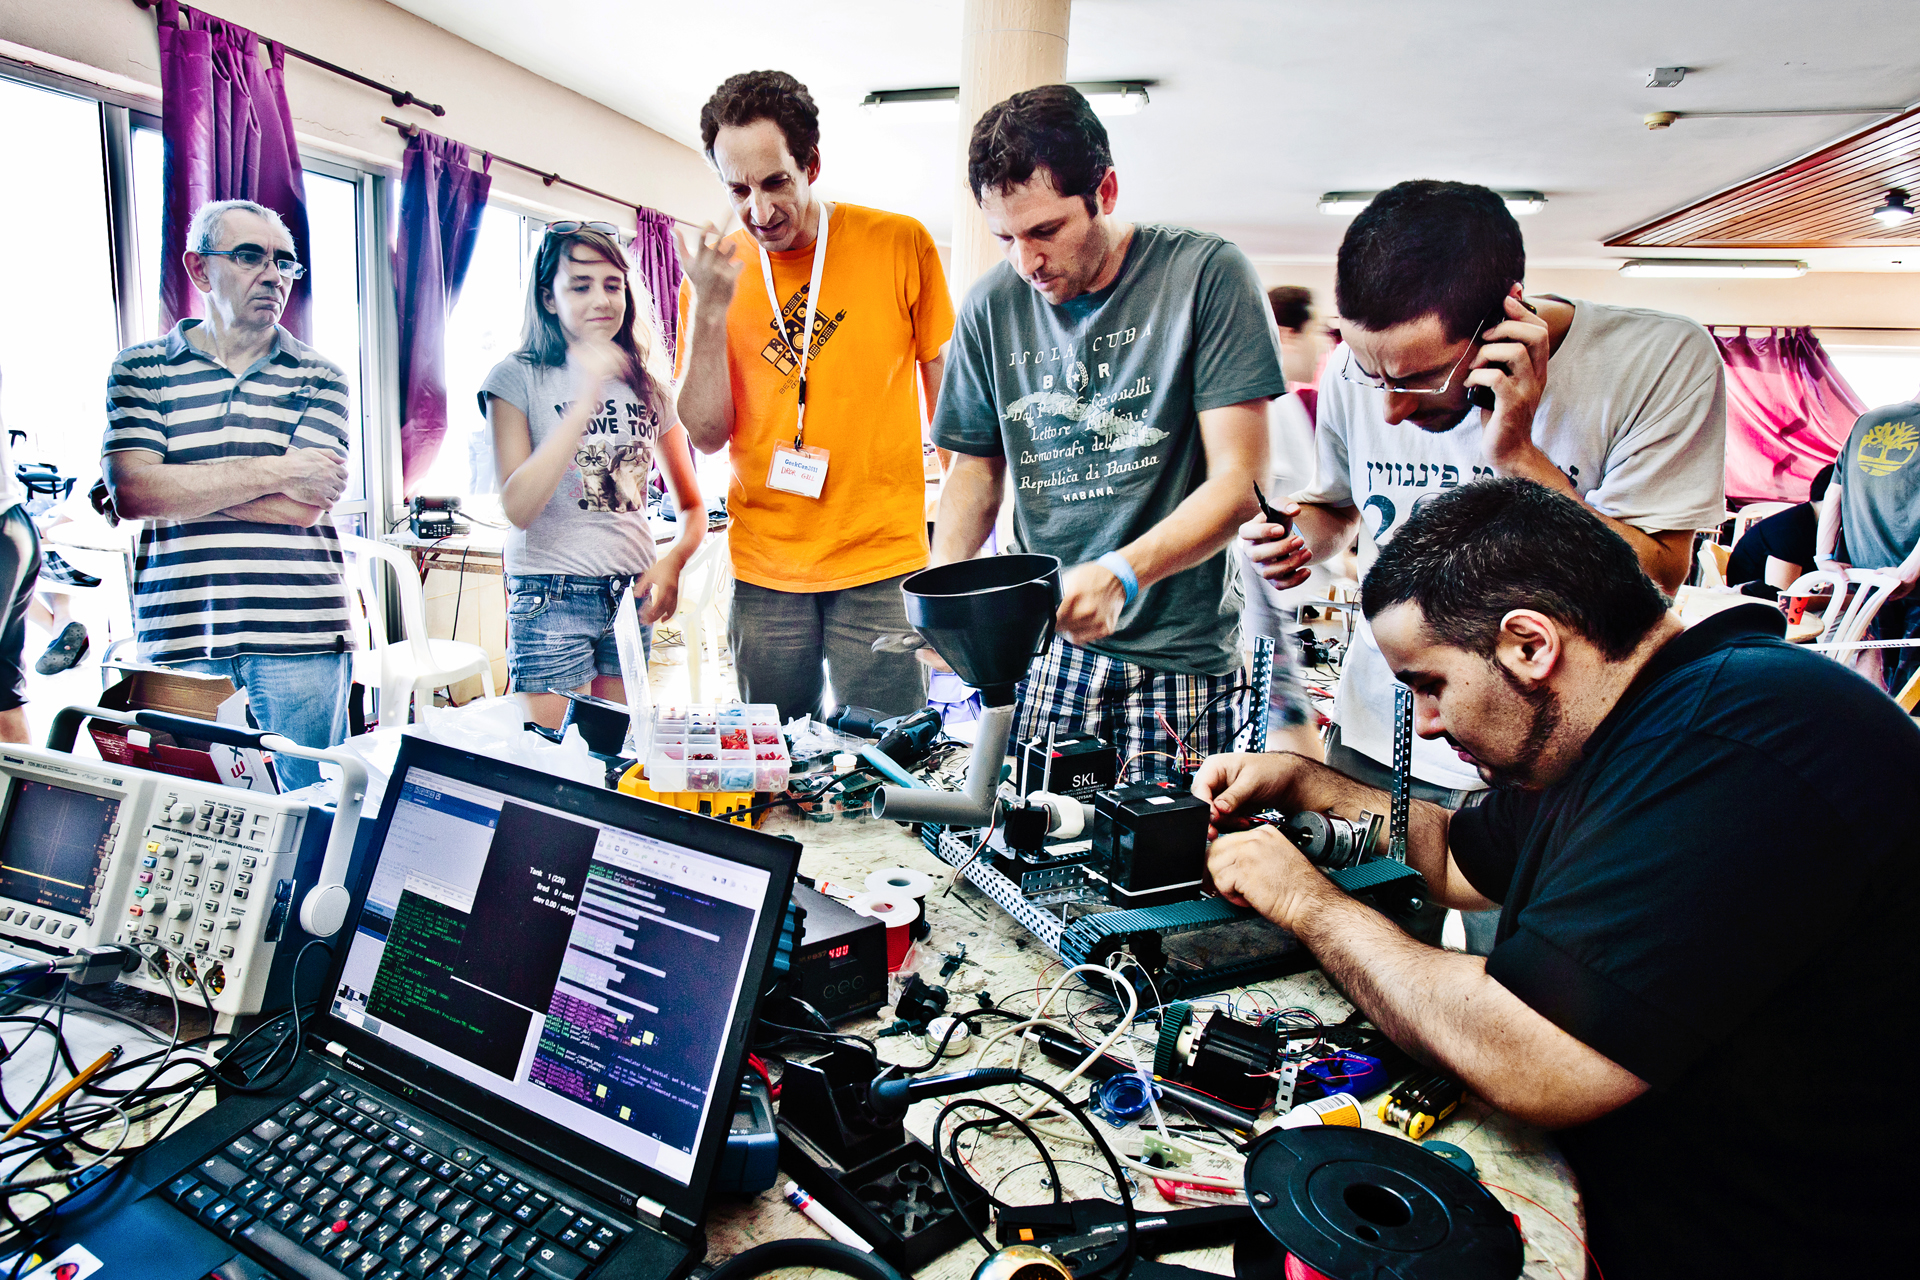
(891, 909)
(844, 761)
(901, 882)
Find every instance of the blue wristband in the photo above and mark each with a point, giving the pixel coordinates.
(1116, 564)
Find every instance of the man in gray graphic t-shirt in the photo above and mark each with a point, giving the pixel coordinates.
(1116, 377)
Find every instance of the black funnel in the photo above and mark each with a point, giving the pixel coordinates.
(989, 618)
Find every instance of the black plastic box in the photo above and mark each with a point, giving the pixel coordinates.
(1149, 844)
(1082, 766)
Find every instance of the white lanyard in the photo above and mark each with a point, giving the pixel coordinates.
(806, 331)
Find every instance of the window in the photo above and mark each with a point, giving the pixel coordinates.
(59, 329)
(337, 279)
(333, 250)
(484, 329)
(1879, 375)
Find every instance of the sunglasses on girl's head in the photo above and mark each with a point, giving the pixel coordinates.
(568, 228)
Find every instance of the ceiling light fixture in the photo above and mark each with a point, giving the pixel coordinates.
(1894, 210)
(942, 102)
(1713, 268)
(1344, 204)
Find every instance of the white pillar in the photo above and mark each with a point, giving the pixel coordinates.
(1005, 46)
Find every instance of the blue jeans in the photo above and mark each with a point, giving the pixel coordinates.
(300, 696)
(560, 631)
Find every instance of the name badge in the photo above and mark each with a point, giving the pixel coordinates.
(802, 471)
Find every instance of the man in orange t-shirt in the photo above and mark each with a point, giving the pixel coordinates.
(828, 507)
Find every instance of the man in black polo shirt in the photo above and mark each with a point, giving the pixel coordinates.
(1702, 847)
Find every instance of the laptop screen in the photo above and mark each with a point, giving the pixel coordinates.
(582, 971)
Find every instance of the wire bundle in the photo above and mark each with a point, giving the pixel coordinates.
(83, 1139)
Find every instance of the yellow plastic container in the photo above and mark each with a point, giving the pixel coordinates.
(728, 806)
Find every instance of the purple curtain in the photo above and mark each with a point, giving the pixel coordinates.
(229, 136)
(1788, 413)
(658, 267)
(442, 197)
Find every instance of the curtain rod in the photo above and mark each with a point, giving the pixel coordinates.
(1834, 328)
(547, 178)
(401, 98)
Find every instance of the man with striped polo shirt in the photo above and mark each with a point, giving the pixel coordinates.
(228, 438)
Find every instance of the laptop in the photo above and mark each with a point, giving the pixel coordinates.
(523, 1063)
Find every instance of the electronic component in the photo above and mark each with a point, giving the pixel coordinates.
(750, 1162)
(1234, 1061)
(434, 517)
(841, 965)
(1074, 765)
(920, 1002)
(1149, 844)
(1330, 841)
(93, 853)
(1421, 1101)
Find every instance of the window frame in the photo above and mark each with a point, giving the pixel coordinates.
(120, 113)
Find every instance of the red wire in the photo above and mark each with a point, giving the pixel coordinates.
(1577, 1238)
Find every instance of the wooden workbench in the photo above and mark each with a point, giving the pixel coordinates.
(1009, 964)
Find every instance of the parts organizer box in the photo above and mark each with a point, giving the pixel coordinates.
(732, 747)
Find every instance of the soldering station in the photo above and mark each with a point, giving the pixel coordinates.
(400, 1109)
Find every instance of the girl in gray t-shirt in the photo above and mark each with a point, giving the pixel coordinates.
(580, 414)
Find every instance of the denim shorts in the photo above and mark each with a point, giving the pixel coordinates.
(560, 630)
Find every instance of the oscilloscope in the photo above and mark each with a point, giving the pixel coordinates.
(217, 884)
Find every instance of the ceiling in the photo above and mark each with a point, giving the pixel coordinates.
(1261, 105)
(1819, 201)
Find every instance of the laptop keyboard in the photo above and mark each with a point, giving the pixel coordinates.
(335, 1185)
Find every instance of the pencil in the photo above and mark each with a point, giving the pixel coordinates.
(60, 1095)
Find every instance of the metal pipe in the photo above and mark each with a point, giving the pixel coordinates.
(971, 807)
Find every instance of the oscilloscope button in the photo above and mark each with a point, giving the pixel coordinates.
(35, 922)
(66, 931)
(6, 914)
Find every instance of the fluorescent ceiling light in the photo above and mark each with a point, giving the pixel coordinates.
(1344, 204)
(942, 102)
(1895, 210)
(1713, 268)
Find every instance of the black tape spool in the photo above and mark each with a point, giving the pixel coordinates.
(1354, 1204)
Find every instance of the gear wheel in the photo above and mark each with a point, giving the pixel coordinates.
(1172, 1023)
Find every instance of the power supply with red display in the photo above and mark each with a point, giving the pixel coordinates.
(841, 965)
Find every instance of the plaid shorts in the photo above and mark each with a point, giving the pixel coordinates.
(1122, 703)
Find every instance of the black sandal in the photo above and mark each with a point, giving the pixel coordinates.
(66, 651)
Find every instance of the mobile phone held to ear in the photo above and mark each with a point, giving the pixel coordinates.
(1482, 397)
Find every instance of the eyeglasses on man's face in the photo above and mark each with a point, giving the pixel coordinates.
(251, 257)
(1353, 373)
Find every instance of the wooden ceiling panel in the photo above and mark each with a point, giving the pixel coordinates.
(1824, 200)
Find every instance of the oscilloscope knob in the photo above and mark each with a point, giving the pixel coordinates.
(182, 812)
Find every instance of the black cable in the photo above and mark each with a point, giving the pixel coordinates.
(951, 1154)
(293, 994)
(1131, 1250)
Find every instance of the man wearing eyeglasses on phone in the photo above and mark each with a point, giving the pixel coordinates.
(228, 439)
(1449, 374)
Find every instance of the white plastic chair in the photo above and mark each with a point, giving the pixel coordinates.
(702, 585)
(1753, 513)
(416, 664)
(1856, 599)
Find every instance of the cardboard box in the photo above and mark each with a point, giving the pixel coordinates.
(184, 693)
